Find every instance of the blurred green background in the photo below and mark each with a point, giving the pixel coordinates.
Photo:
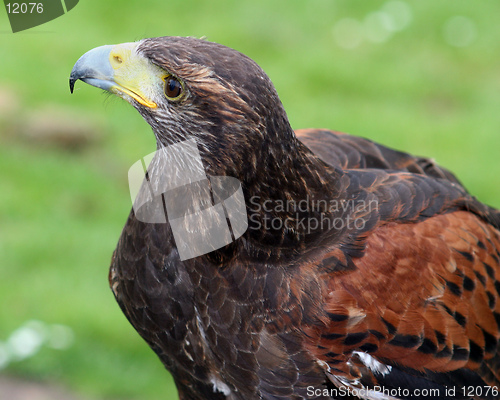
(417, 76)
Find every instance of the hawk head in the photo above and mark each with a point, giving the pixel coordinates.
(191, 88)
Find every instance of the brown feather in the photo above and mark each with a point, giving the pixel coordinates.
(413, 277)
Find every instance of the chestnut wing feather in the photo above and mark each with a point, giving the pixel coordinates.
(416, 289)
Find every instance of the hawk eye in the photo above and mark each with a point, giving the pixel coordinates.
(173, 88)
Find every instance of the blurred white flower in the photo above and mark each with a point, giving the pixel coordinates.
(27, 340)
(377, 26)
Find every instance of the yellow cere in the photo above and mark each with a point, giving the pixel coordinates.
(134, 75)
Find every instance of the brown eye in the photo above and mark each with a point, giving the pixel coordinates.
(173, 88)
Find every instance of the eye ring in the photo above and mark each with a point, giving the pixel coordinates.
(173, 88)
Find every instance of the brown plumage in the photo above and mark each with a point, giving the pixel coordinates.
(362, 266)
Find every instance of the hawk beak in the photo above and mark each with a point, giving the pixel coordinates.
(117, 69)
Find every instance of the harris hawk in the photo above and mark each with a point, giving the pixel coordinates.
(393, 295)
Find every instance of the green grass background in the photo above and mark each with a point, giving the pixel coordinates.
(61, 212)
